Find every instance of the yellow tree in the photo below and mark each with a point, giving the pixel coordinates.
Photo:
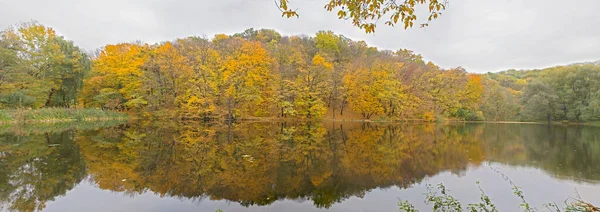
(200, 97)
(441, 89)
(393, 97)
(362, 96)
(311, 85)
(453, 92)
(372, 91)
(170, 75)
(472, 92)
(247, 81)
(291, 57)
(116, 78)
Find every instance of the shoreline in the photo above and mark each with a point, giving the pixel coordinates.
(65, 115)
(58, 115)
(51, 121)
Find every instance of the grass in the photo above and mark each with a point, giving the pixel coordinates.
(594, 123)
(442, 200)
(57, 115)
(26, 129)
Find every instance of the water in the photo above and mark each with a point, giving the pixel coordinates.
(158, 166)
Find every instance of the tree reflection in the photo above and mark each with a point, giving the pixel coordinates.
(260, 163)
(567, 152)
(35, 169)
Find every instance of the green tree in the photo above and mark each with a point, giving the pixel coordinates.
(498, 104)
(540, 101)
(39, 68)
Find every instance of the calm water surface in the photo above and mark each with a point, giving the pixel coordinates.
(157, 166)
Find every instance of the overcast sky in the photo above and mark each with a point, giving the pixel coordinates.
(479, 35)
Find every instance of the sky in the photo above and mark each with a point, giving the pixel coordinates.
(479, 35)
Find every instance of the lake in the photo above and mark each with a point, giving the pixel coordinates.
(328, 166)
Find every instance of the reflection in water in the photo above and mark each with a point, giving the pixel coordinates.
(35, 169)
(565, 152)
(260, 163)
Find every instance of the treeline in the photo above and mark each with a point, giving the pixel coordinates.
(562, 93)
(260, 73)
(263, 74)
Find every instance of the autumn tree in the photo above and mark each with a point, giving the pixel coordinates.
(169, 76)
(498, 103)
(247, 84)
(310, 88)
(373, 90)
(39, 68)
(115, 80)
(291, 57)
(201, 95)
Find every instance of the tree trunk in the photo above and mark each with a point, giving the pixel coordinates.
(333, 112)
(50, 97)
(229, 115)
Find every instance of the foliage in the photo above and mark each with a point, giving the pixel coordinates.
(39, 68)
(115, 80)
(562, 93)
(38, 169)
(260, 73)
(365, 13)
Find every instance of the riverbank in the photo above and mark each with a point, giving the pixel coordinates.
(55, 115)
(592, 123)
(37, 128)
(173, 115)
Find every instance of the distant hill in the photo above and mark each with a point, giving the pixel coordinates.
(523, 71)
(597, 62)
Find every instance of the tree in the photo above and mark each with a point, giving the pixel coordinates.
(39, 68)
(575, 86)
(540, 101)
(72, 69)
(310, 87)
(290, 57)
(200, 98)
(364, 87)
(115, 80)
(247, 80)
(498, 104)
(372, 91)
(170, 77)
(328, 44)
(366, 13)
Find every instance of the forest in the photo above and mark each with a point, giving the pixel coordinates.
(263, 74)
